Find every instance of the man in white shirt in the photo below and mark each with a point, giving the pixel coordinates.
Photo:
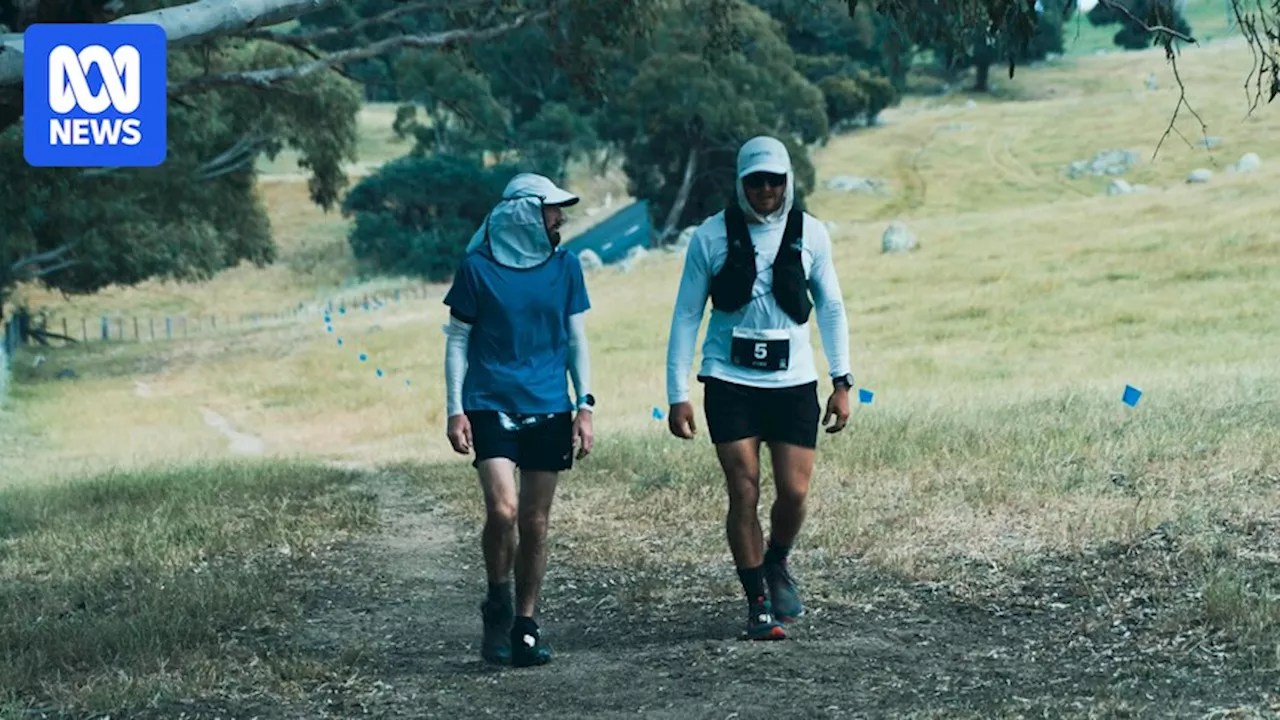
(759, 262)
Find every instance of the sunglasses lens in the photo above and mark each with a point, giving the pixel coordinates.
(755, 181)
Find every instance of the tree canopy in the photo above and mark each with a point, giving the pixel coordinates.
(555, 80)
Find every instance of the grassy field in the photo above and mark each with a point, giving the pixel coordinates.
(996, 466)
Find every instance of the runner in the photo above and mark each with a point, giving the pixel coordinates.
(759, 260)
(516, 325)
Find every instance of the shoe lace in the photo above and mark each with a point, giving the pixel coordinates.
(782, 572)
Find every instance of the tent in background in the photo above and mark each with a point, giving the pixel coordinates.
(612, 238)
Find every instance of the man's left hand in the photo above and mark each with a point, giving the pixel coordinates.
(837, 405)
(583, 436)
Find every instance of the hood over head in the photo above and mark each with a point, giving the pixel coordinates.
(514, 233)
(765, 154)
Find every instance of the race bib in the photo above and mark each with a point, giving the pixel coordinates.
(760, 349)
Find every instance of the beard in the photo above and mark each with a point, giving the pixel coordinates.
(554, 236)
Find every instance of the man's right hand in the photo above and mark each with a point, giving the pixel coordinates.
(680, 420)
(460, 434)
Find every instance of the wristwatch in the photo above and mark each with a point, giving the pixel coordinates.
(587, 402)
(844, 381)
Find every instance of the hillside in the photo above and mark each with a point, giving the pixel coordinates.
(995, 535)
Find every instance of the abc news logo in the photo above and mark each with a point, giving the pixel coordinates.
(69, 90)
(95, 95)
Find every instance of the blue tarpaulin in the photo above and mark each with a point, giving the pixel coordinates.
(613, 237)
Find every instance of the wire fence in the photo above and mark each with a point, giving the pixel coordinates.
(63, 330)
(8, 345)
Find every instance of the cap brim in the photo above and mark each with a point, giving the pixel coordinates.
(560, 198)
(764, 167)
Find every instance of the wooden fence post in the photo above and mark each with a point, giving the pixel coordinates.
(106, 329)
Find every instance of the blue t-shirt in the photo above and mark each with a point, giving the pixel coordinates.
(518, 354)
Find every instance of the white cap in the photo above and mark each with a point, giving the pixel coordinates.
(763, 154)
(534, 185)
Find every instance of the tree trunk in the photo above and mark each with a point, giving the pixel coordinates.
(982, 80)
(682, 197)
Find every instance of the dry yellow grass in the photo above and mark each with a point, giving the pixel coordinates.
(998, 351)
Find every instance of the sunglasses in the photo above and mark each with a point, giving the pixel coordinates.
(755, 181)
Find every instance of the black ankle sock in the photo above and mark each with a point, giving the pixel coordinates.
(524, 626)
(500, 593)
(776, 554)
(752, 582)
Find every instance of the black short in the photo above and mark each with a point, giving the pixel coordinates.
(545, 444)
(788, 415)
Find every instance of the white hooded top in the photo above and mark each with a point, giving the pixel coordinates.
(708, 249)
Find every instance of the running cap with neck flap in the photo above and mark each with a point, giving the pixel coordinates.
(538, 186)
(514, 233)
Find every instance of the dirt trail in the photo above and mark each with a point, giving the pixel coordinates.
(399, 615)
(240, 443)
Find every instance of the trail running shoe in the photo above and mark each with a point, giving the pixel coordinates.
(496, 646)
(782, 592)
(527, 648)
(761, 624)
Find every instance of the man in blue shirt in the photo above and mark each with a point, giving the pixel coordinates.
(516, 326)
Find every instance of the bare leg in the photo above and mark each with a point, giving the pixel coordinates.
(792, 470)
(497, 479)
(537, 489)
(740, 461)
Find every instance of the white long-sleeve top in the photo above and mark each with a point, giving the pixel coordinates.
(707, 251)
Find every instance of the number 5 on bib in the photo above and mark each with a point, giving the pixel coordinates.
(760, 349)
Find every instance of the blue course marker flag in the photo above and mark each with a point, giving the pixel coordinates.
(363, 357)
(1131, 395)
(657, 414)
(379, 372)
(865, 396)
(339, 341)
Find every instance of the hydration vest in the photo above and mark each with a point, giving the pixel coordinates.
(731, 287)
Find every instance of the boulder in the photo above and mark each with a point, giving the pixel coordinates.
(590, 260)
(1248, 163)
(1119, 187)
(897, 238)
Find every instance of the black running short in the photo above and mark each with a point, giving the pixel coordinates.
(787, 415)
(540, 443)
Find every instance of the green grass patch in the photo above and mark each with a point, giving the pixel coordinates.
(134, 588)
